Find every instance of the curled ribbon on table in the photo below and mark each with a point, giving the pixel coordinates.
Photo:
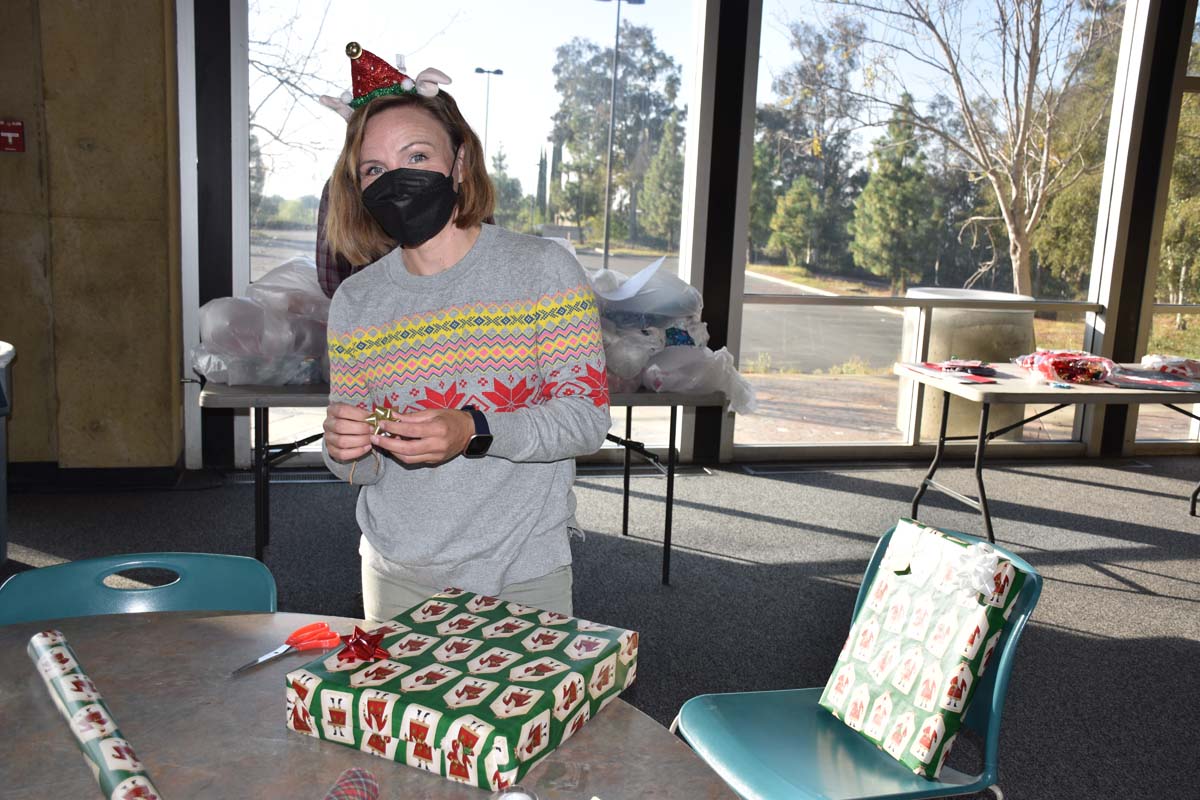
(976, 568)
(428, 80)
(362, 646)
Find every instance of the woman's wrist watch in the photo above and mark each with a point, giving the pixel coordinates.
(481, 440)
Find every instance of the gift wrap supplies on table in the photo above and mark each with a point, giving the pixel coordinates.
(110, 757)
(467, 686)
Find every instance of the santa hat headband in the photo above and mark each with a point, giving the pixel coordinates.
(373, 77)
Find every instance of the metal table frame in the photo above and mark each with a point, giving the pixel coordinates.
(674, 401)
(1012, 386)
(261, 399)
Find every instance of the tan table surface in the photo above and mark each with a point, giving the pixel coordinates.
(203, 734)
(1013, 386)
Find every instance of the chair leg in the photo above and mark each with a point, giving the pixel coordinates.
(995, 789)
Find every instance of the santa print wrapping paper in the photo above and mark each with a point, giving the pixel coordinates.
(918, 647)
(113, 763)
(473, 688)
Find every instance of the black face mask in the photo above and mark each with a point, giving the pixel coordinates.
(411, 205)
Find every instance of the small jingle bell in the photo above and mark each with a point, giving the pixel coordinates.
(354, 49)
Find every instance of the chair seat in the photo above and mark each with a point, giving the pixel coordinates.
(782, 744)
(204, 582)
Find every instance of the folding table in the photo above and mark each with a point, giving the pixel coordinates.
(263, 398)
(1013, 385)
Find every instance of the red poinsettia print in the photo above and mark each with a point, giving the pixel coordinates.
(510, 398)
(596, 382)
(451, 398)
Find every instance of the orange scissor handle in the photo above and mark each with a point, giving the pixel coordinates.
(316, 636)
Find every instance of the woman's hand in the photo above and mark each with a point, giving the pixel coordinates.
(347, 436)
(427, 437)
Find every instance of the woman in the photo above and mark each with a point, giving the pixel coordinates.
(483, 346)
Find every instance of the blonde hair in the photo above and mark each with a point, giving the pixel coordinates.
(351, 231)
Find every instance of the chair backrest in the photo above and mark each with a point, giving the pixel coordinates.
(987, 704)
(205, 582)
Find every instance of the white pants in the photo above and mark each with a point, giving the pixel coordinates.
(385, 596)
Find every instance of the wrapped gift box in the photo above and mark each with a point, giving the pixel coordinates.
(921, 643)
(466, 686)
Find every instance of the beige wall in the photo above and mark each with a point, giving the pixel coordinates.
(89, 273)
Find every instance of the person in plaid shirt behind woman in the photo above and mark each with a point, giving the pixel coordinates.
(466, 361)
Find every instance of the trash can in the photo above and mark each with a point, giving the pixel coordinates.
(985, 334)
(6, 356)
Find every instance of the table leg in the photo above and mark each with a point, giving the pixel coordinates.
(625, 493)
(262, 481)
(937, 455)
(984, 408)
(671, 459)
(1195, 495)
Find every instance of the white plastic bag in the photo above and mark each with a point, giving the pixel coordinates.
(650, 299)
(626, 350)
(273, 336)
(292, 288)
(697, 370)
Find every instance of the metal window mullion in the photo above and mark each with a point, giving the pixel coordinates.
(239, 172)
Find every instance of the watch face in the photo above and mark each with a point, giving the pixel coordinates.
(478, 445)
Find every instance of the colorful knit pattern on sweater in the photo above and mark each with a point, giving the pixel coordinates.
(489, 355)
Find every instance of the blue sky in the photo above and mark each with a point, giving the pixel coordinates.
(518, 36)
(456, 36)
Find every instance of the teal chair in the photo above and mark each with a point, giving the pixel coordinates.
(204, 582)
(782, 744)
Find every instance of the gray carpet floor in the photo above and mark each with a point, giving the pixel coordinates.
(767, 560)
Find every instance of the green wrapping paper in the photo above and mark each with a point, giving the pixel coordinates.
(473, 688)
(921, 643)
(114, 765)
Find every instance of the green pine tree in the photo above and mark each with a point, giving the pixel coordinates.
(663, 192)
(510, 201)
(796, 223)
(894, 227)
(764, 194)
(540, 196)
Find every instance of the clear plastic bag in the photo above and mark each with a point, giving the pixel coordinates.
(626, 350)
(292, 288)
(1073, 366)
(651, 299)
(273, 336)
(697, 370)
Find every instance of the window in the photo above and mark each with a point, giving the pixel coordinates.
(535, 83)
(873, 180)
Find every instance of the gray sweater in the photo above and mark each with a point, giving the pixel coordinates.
(512, 329)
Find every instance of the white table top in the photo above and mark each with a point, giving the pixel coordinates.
(1013, 385)
(316, 395)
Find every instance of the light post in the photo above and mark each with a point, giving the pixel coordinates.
(487, 103)
(612, 107)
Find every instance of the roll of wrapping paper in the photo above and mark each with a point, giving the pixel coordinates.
(113, 763)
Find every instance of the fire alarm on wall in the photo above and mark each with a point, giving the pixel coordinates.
(12, 136)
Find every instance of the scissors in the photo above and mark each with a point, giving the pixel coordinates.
(316, 636)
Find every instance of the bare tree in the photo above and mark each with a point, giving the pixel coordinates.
(285, 79)
(1011, 71)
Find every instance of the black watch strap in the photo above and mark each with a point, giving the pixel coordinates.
(481, 424)
(481, 442)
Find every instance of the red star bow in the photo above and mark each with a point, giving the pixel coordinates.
(362, 646)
